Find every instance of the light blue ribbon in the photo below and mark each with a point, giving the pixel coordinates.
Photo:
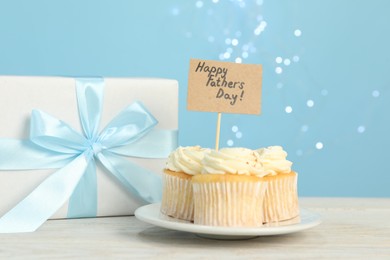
(54, 144)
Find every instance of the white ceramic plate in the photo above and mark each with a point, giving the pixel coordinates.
(151, 214)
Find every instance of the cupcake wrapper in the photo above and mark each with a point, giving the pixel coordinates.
(177, 199)
(281, 199)
(229, 203)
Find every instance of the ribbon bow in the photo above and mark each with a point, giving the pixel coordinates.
(54, 144)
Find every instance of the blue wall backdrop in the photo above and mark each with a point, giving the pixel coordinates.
(326, 84)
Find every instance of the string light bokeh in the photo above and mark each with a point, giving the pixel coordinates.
(297, 107)
(235, 39)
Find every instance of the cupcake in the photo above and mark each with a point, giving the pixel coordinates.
(230, 190)
(177, 197)
(281, 197)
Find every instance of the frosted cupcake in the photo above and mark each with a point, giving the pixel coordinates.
(177, 197)
(230, 190)
(281, 196)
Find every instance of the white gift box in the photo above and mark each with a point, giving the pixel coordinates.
(57, 96)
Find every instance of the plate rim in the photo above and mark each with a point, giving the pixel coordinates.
(309, 219)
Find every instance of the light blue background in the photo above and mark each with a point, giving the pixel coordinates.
(342, 64)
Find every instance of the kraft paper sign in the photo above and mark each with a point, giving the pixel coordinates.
(227, 87)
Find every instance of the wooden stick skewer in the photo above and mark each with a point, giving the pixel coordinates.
(218, 131)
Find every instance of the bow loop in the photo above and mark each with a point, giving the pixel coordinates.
(54, 134)
(128, 126)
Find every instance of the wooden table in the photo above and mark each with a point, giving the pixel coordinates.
(352, 228)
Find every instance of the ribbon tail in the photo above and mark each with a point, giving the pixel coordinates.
(83, 201)
(142, 183)
(45, 200)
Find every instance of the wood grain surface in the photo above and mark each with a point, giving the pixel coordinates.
(352, 228)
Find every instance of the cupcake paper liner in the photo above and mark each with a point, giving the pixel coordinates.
(177, 199)
(281, 198)
(229, 203)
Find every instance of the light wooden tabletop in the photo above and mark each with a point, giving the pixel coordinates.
(351, 228)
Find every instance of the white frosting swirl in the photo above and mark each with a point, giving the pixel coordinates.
(273, 159)
(187, 159)
(233, 161)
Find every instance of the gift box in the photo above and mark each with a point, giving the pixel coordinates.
(111, 135)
